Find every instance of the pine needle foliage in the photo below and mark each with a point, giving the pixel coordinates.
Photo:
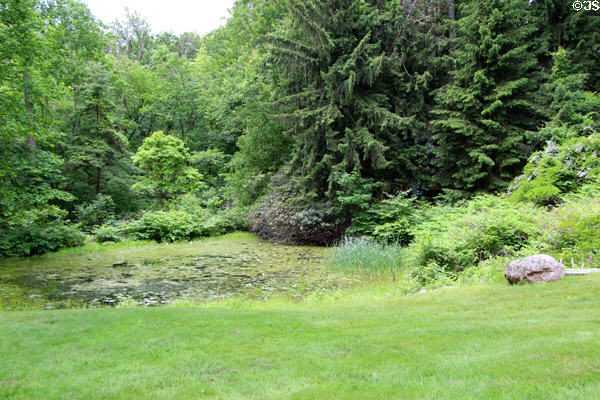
(577, 32)
(489, 112)
(350, 91)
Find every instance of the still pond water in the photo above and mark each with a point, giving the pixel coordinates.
(163, 273)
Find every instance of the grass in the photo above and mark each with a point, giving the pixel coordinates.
(361, 255)
(233, 236)
(483, 342)
(91, 247)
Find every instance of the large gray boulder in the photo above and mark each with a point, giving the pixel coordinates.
(534, 269)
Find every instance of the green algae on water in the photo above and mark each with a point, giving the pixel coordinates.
(154, 274)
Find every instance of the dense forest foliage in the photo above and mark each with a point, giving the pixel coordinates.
(301, 120)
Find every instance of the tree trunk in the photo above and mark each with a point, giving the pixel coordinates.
(98, 178)
(452, 14)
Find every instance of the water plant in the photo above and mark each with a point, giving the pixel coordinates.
(363, 255)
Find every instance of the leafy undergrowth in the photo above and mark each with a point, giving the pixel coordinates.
(474, 240)
(492, 341)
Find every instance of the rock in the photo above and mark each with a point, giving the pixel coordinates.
(534, 269)
(120, 264)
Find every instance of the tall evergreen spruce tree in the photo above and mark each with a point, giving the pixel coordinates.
(344, 82)
(576, 32)
(488, 113)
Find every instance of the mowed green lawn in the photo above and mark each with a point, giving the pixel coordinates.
(526, 342)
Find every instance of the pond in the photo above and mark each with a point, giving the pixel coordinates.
(158, 274)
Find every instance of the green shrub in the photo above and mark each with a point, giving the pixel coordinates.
(97, 212)
(244, 187)
(166, 226)
(174, 225)
(431, 275)
(354, 194)
(224, 221)
(391, 220)
(38, 231)
(188, 202)
(194, 203)
(108, 232)
(492, 269)
(459, 237)
(453, 197)
(572, 232)
(558, 170)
